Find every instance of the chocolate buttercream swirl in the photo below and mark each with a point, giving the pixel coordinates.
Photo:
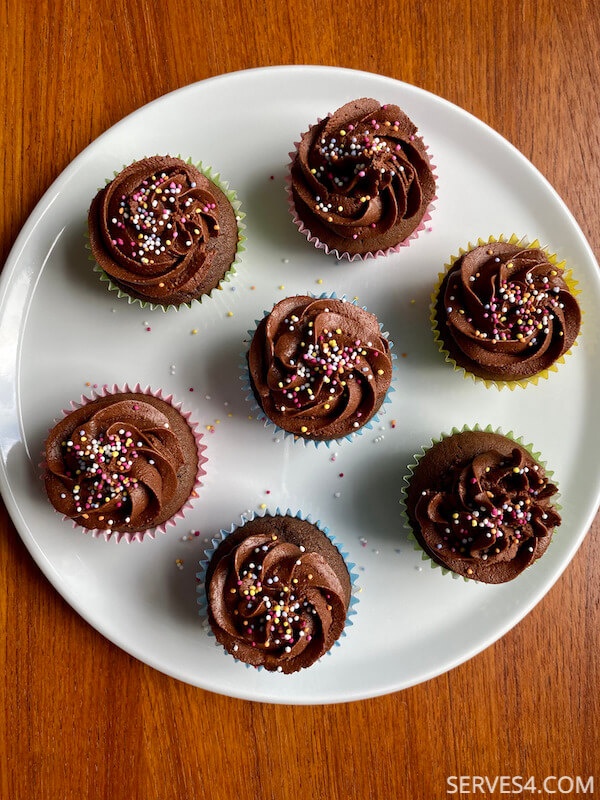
(506, 312)
(158, 230)
(319, 368)
(489, 516)
(361, 179)
(274, 603)
(117, 469)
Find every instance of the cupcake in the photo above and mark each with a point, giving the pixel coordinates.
(278, 592)
(164, 231)
(505, 312)
(361, 182)
(480, 505)
(124, 464)
(319, 368)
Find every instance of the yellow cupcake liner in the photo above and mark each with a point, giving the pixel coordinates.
(499, 384)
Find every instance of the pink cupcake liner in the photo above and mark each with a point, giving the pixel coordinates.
(150, 533)
(314, 240)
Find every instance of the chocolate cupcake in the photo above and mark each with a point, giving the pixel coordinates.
(361, 181)
(277, 592)
(165, 232)
(480, 504)
(319, 368)
(124, 464)
(505, 312)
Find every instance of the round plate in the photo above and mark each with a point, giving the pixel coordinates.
(62, 332)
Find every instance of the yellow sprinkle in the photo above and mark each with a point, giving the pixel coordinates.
(303, 429)
(380, 372)
(319, 280)
(282, 286)
(194, 331)
(327, 406)
(342, 133)
(263, 506)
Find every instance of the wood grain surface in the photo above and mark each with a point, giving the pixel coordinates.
(80, 718)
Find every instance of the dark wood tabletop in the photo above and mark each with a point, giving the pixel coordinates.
(81, 718)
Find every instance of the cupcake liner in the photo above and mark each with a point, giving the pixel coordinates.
(343, 255)
(260, 415)
(231, 195)
(223, 534)
(524, 242)
(412, 467)
(138, 536)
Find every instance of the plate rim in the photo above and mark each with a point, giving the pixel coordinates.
(19, 246)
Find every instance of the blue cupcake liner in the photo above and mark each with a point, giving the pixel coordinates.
(268, 423)
(223, 534)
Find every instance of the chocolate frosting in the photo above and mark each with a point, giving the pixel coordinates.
(125, 462)
(278, 592)
(361, 180)
(505, 312)
(162, 231)
(480, 505)
(319, 368)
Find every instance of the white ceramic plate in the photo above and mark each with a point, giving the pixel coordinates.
(60, 330)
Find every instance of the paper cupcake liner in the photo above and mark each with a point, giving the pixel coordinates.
(231, 195)
(261, 416)
(202, 599)
(344, 255)
(412, 467)
(150, 533)
(499, 384)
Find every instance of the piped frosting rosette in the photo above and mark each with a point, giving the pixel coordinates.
(165, 232)
(361, 182)
(277, 591)
(124, 463)
(505, 312)
(480, 504)
(318, 369)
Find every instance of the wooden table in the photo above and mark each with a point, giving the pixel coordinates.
(82, 719)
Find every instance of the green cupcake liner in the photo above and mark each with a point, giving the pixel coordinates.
(412, 467)
(231, 195)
